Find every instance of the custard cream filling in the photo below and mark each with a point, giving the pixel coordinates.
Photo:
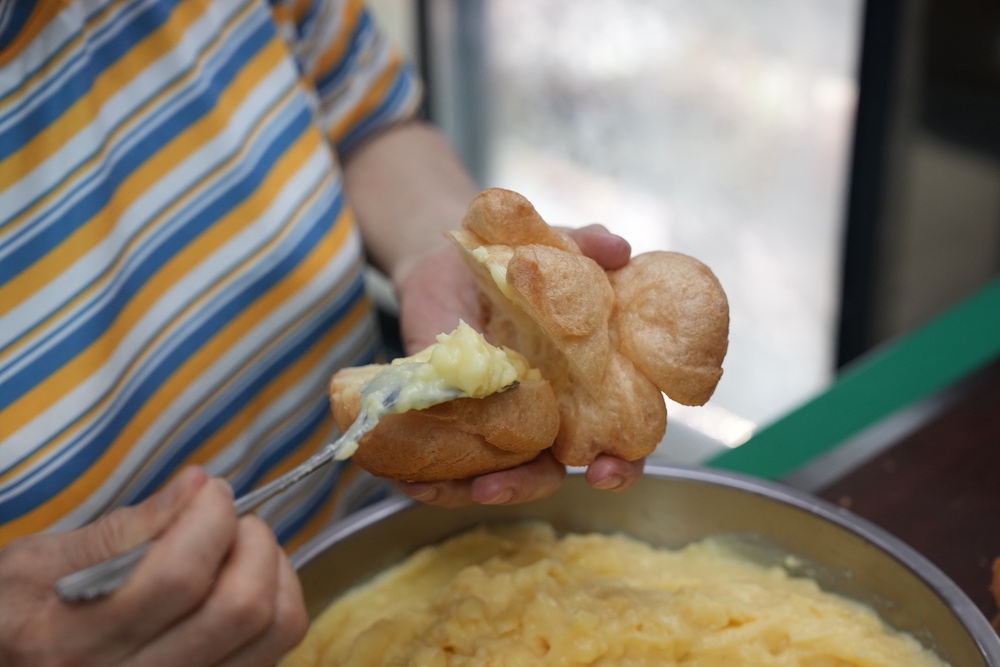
(464, 361)
(497, 271)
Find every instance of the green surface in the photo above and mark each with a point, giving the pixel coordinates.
(917, 366)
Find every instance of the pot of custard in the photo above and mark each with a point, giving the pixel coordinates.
(769, 524)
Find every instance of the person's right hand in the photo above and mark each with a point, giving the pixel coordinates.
(214, 589)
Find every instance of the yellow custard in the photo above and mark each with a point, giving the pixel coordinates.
(498, 271)
(461, 364)
(519, 595)
(464, 360)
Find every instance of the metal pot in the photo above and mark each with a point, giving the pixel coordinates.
(673, 506)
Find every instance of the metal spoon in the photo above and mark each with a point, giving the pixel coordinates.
(379, 397)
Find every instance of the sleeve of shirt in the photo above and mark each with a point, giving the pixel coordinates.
(361, 79)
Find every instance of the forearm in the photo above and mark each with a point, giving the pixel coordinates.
(407, 187)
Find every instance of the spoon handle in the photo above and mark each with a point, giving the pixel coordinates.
(258, 497)
(104, 577)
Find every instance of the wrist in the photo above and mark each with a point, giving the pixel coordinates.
(437, 256)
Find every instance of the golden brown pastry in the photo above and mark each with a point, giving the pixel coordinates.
(607, 343)
(463, 437)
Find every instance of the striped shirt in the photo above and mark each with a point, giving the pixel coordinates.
(179, 271)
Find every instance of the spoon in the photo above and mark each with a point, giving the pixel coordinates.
(379, 397)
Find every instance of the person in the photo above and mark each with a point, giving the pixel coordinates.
(189, 191)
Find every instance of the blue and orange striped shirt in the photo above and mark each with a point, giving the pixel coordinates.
(179, 270)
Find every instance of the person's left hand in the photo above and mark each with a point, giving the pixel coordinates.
(437, 292)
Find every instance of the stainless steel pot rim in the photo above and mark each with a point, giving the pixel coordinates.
(977, 624)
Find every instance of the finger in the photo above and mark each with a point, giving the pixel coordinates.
(439, 494)
(531, 481)
(127, 527)
(179, 570)
(607, 249)
(287, 629)
(611, 473)
(534, 480)
(240, 609)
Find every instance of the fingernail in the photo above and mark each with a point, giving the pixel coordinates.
(425, 493)
(501, 498)
(172, 493)
(226, 486)
(609, 483)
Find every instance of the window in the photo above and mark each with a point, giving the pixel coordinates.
(717, 128)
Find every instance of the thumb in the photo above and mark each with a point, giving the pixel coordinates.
(128, 527)
(596, 242)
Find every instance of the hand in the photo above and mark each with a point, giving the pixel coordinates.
(435, 294)
(214, 589)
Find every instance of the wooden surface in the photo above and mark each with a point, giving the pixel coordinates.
(938, 488)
